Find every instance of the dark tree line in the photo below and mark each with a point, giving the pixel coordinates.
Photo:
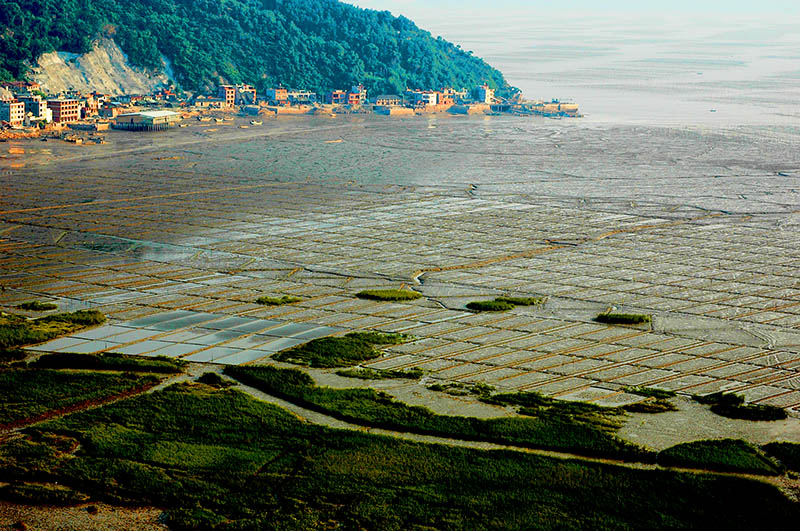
(315, 44)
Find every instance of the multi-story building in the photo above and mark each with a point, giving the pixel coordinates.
(34, 105)
(12, 112)
(388, 100)
(65, 111)
(336, 97)
(422, 98)
(484, 94)
(237, 94)
(357, 95)
(21, 86)
(447, 96)
(277, 96)
(245, 95)
(228, 94)
(302, 96)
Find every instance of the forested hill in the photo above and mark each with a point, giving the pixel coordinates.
(314, 44)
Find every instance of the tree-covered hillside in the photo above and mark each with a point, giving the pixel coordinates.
(315, 44)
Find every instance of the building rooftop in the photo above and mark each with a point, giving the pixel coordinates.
(151, 114)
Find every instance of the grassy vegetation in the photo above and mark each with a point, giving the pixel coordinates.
(732, 406)
(28, 393)
(10, 355)
(18, 331)
(623, 318)
(215, 380)
(727, 455)
(381, 374)
(787, 453)
(389, 295)
(490, 306)
(502, 304)
(109, 362)
(650, 392)
(552, 427)
(459, 389)
(44, 494)
(329, 352)
(522, 301)
(220, 459)
(657, 400)
(278, 301)
(37, 306)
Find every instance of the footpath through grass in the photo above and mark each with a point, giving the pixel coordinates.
(16, 330)
(218, 459)
(328, 352)
(578, 428)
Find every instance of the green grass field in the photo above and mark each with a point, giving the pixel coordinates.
(328, 352)
(787, 453)
(28, 393)
(109, 361)
(726, 455)
(579, 428)
(217, 459)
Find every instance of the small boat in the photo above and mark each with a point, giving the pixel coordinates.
(218, 120)
(183, 125)
(256, 122)
(203, 118)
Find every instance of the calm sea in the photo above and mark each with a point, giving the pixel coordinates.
(668, 70)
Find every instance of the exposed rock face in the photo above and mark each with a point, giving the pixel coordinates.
(105, 69)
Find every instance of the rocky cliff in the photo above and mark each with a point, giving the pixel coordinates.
(105, 69)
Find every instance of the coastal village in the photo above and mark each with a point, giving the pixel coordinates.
(26, 111)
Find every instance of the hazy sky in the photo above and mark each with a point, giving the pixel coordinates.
(415, 7)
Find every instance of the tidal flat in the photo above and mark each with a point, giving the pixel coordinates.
(694, 227)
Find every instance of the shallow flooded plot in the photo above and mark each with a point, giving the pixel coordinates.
(683, 231)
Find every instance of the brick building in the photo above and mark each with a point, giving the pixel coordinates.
(227, 93)
(65, 111)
